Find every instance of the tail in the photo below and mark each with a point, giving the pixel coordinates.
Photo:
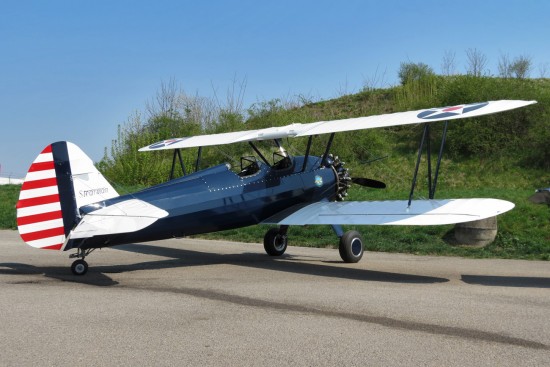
(60, 180)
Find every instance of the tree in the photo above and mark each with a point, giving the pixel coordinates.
(409, 71)
(476, 62)
(171, 113)
(165, 102)
(521, 67)
(448, 63)
(504, 66)
(543, 70)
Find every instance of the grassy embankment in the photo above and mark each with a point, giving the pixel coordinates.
(504, 156)
(524, 233)
(501, 156)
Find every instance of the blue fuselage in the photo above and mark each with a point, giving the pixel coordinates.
(217, 199)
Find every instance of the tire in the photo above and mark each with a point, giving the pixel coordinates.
(275, 243)
(351, 247)
(79, 267)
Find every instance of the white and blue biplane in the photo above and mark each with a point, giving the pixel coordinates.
(65, 203)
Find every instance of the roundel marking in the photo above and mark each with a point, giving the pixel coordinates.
(164, 143)
(446, 112)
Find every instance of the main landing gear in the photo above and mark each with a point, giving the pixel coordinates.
(350, 246)
(80, 266)
(276, 241)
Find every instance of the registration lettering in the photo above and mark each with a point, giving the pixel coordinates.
(93, 192)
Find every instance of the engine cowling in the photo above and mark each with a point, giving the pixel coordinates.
(343, 179)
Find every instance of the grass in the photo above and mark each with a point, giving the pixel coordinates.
(524, 233)
(8, 199)
(486, 157)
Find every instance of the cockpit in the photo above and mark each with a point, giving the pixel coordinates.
(281, 160)
(250, 164)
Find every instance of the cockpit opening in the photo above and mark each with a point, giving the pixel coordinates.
(249, 166)
(281, 160)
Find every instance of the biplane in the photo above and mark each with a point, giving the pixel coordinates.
(66, 204)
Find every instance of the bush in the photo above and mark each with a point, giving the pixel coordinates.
(520, 135)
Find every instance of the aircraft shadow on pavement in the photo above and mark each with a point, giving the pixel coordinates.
(285, 263)
(62, 273)
(98, 274)
(507, 281)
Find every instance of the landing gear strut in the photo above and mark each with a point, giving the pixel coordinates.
(276, 241)
(80, 266)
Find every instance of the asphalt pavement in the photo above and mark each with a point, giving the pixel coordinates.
(212, 303)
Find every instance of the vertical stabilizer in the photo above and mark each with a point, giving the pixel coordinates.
(60, 180)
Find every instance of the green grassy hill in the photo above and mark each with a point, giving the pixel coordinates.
(506, 155)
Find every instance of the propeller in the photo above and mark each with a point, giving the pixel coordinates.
(344, 180)
(367, 182)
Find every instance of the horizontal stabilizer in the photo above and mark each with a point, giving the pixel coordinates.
(127, 216)
(395, 212)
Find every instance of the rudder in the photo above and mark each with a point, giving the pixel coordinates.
(59, 181)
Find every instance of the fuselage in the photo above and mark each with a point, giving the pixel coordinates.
(217, 199)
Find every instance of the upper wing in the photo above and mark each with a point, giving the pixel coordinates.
(395, 212)
(359, 123)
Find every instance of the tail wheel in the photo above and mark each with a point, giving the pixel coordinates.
(275, 243)
(79, 267)
(351, 247)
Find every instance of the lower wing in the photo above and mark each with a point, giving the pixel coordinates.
(394, 212)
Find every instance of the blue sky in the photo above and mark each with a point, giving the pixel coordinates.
(74, 70)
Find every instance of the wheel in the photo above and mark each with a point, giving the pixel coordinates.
(79, 267)
(275, 243)
(351, 247)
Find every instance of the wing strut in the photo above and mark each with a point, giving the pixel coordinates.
(198, 161)
(329, 144)
(443, 138)
(182, 165)
(432, 184)
(259, 153)
(177, 153)
(307, 152)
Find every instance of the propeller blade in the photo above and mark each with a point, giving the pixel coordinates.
(367, 182)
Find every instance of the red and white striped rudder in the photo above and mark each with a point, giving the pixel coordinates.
(59, 181)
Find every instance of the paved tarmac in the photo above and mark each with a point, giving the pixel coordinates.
(210, 303)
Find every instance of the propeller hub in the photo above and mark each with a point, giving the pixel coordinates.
(343, 179)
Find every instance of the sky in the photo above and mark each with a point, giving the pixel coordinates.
(75, 70)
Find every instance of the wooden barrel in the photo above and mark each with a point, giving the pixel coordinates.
(478, 233)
